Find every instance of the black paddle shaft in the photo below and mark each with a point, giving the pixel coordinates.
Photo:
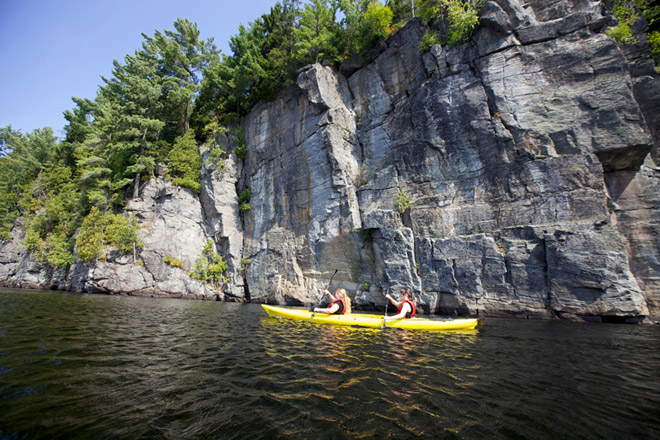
(387, 301)
(322, 295)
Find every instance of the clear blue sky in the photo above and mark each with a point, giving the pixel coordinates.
(51, 50)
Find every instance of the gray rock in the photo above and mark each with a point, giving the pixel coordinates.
(528, 155)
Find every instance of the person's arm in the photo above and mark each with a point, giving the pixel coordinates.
(393, 301)
(402, 314)
(327, 292)
(330, 310)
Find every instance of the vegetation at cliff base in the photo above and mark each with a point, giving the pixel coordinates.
(102, 229)
(210, 266)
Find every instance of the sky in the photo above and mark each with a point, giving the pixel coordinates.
(52, 50)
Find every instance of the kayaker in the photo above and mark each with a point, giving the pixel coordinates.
(341, 303)
(407, 307)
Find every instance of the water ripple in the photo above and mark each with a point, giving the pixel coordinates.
(121, 367)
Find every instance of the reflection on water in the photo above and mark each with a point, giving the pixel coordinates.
(95, 366)
(366, 383)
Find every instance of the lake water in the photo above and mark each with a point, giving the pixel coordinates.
(115, 367)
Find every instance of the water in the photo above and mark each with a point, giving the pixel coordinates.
(109, 367)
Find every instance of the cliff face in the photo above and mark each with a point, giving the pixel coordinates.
(527, 156)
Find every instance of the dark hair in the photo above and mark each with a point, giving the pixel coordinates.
(407, 291)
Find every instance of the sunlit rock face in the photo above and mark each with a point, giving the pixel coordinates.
(508, 148)
(514, 175)
(172, 224)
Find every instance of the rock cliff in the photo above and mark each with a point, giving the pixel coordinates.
(513, 175)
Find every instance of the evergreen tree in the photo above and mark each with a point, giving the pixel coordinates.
(259, 66)
(183, 56)
(402, 10)
(23, 159)
(186, 162)
(135, 91)
(351, 24)
(315, 34)
(274, 34)
(102, 229)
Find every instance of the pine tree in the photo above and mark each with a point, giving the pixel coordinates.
(135, 91)
(314, 37)
(183, 57)
(186, 162)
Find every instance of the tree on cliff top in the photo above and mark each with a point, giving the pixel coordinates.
(136, 89)
(315, 33)
(183, 57)
(24, 158)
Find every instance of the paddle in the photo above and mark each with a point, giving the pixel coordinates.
(387, 301)
(323, 295)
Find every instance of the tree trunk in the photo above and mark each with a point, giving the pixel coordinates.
(136, 184)
(186, 125)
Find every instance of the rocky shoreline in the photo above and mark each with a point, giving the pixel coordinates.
(528, 160)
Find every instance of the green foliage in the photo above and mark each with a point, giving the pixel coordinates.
(22, 160)
(183, 56)
(212, 132)
(122, 234)
(429, 39)
(90, 242)
(429, 10)
(244, 200)
(217, 157)
(315, 34)
(240, 149)
(379, 19)
(246, 262)
(36, 182)
(174, 262)
(134, 105)
(626, 13)
(186, 162)
(364, 22)
(261, 64)
(650, 10)
(116, 140)
(462, 16)
(48, 233)
(626, 16)
(403, 201)
(402, 10)
(102, 229)
(210, 266)
(55, 248)
(654, 46)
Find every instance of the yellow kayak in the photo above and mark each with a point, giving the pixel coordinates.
(373, 321)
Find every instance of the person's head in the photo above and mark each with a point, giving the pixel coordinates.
(341, 293)
(408, 294)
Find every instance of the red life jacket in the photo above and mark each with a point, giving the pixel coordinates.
(412, 307)
(342, 306)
